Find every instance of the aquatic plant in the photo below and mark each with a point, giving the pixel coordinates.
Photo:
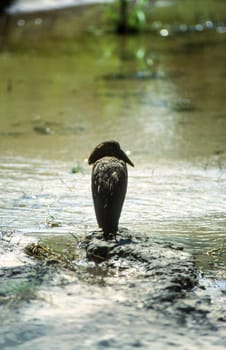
(77, 169)
(64, 259)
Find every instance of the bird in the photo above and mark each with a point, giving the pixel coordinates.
(109, 184)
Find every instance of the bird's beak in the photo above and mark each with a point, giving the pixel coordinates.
(125, 158)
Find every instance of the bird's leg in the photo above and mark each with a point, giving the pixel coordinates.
(110, 236)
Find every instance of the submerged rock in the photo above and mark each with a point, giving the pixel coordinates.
(170, 271)
(138, 290)
(160, 277)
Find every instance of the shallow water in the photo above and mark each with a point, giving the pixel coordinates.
(56, 105)
(163, 99)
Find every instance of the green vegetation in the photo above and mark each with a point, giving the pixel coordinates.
(77, 169)
(127, 17)
(120, 16)
(64, 258)
(143, 15)
(140, 15)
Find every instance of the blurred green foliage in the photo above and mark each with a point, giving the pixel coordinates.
(128, 16)
(139, 15)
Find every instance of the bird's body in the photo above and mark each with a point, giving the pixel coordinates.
(109, 184)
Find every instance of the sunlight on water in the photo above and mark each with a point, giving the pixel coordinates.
(170, 203)
(163, 98)
(38, 192)
(54, 109)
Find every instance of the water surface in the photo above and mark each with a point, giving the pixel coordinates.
(58, 101)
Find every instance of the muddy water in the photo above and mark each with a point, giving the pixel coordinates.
(56, 104)
(56, 108)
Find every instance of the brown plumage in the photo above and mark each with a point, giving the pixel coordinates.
(109, 184)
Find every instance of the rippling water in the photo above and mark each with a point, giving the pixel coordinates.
(54, 108)
(183, 204)
(163, 99)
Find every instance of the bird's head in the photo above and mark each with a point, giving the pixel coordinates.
(108, 149)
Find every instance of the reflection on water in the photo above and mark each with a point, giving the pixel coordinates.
(172, 202)
(55, 108)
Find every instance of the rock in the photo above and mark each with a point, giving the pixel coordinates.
(169, 271)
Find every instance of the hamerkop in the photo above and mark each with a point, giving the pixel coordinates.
(109, 184)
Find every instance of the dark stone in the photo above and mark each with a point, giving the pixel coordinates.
(99, 250)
